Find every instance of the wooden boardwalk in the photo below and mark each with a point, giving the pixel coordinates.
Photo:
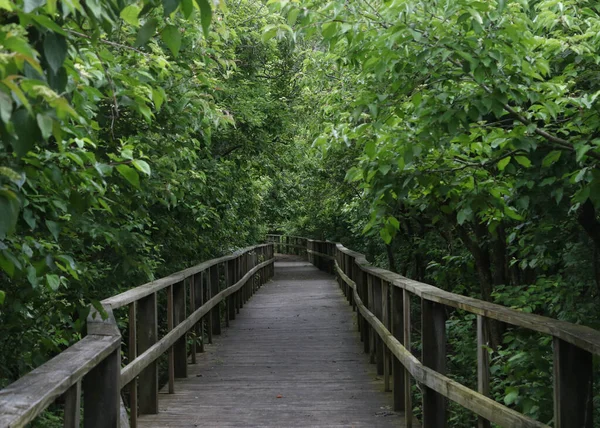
(291, 358)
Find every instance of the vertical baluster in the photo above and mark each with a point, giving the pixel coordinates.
(192, 291)
(483, 364)
(147, 334)
(214, 290)
(434, 356)
(73, 406)
(377, 310)
(372, 334)
(573, 389)
(408, 414)
(201, 298)
(385, 313)
(179, 315)
(397, 320)
(171, 369)
(132, 354)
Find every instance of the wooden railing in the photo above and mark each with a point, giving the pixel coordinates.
(382, 300)
(284, 244)
(94, 363)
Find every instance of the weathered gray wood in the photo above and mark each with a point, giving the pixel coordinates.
(583, 337)
(144, 290)
(478, 403)
(192, 307)
(433, 342)
(131, 355)
(101, 393)
(214, 290)
(160, 347)
(179, 315)
(397, 329)
(171, 368)
(573, 391)
(378, 311)
(147, 335)
(26, 398)
(72, 417)
(295, 339)
(385, 305)
(483, 364)
(406, 323)
(200, 299)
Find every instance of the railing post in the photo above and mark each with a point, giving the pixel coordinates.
(73, 406)
(361, 284)
(171, 369)
(407, 344)
(192, 300)
(385, 312)
(131, 355)
(179, 315)
(369, 306)
(378, 311)
(200, 299)
(101, 386)
(483, 364)
(214, 290)
(397, 320)
(573, 391)
(231, 299)
(433, 324)
(147, 334)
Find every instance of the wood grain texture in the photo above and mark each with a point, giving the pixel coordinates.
(296, 338)
(583, 337)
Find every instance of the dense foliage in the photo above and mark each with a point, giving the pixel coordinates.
(468, 134)
(455, 142)
(137, 138)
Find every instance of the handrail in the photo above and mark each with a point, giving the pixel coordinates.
(382, 300)
(95, 360)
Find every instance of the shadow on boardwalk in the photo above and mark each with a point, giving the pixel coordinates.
(292, 358)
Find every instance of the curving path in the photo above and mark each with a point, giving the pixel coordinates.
(291, 358)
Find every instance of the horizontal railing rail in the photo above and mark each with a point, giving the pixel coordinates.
(195, 306)
(382, 300)
(287, 244)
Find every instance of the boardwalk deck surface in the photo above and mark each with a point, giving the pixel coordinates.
(291, 358)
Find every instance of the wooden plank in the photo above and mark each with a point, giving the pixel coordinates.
(179, 315)
(281, 345)
(147, 335)
(131, 355)
(483, 364)
(385, 307)
(72, 397)
(408, 410)
(26, 398)
(149, 288)
(160, 347)
(573, 386)
(102, 393)
(397, 329)
(171, 369)
(433, 342)
(583, 337)
(469, 399)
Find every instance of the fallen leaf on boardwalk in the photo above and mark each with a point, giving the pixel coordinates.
(280, 396)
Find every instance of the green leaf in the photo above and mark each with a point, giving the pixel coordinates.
(53, 281)
(580, 151)
(5, 4)
(130, 15)
(187, 7)
(2, 293)
(31, 5)
(551, 158)
(142, 166)
(32, 276)
(9, 209)
(463, 215)
(503, 162)
(130, 175)
(269, 32)
(511, 397)
(170, 6)
(6, 106)
(27, 132)
(523, 161)
(146, 32)
(54, 228)
(55, 50)
(385, 235)
(45, 124)
(172, 38)
(205, 15)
